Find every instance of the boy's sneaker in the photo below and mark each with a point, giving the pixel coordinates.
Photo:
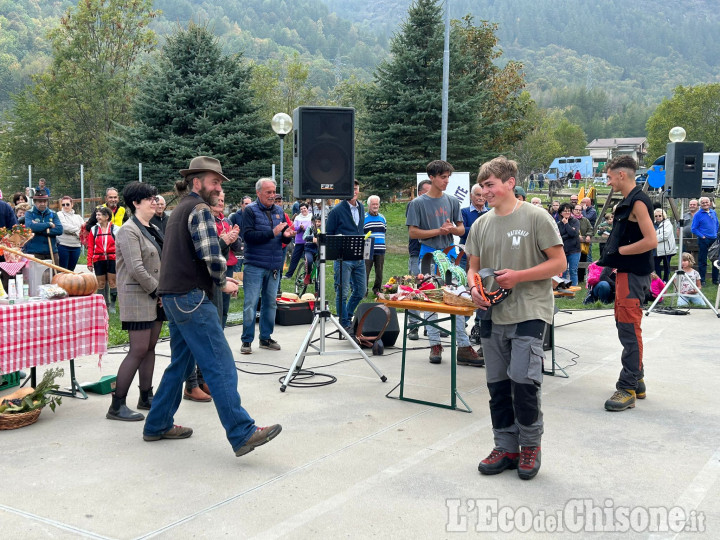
(436, 354)
(640, 391)
(529, 464)
(621, 400)
(269, 344)
(498, 461)
(466, 356)
(246, 348)
(413, 334)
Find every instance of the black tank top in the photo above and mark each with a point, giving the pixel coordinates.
(625, 232)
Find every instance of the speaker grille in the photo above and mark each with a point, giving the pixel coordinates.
(323, 157)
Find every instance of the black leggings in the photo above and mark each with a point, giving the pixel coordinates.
(140, 358)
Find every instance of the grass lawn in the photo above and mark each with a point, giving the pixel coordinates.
(396, 260)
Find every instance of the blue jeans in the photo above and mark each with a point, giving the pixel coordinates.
(572, 270)
(703, 245)
(259, 282)
(196, 336)
(68, 256)
(603, 292)
(353, 275)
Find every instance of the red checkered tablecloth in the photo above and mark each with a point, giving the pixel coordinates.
(40, 333)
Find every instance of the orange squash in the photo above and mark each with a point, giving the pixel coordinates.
(76, 284)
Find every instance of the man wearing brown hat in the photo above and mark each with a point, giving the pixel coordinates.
(192, 266)
(46, 226)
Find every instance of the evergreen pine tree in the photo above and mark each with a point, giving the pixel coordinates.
(194, 100)
(401, 130)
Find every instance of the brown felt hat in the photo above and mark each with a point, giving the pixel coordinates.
(40, 196)
(204, 164)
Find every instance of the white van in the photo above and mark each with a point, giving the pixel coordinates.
(711, 166)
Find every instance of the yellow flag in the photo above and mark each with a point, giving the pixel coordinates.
(581, 193)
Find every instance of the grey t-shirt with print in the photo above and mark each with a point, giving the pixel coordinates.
(429, 213)
(517, 242)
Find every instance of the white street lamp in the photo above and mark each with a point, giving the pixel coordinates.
(282, 125)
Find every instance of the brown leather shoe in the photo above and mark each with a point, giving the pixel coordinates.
(196, 395)
(205, 388)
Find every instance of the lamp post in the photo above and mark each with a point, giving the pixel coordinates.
(282, 125)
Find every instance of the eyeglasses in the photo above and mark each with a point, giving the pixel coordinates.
(66, 204)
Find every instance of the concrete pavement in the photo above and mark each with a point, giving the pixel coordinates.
(352, 463)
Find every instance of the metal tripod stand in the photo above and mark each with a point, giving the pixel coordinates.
(322, 315)
(679, 276)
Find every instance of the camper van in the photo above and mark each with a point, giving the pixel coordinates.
(562, 165)
(710, 171)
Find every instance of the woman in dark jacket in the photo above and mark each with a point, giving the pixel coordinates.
(570, 231)
(138, 249)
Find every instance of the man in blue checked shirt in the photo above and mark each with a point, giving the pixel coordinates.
(192, 266)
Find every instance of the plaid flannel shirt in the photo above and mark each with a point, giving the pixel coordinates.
(207, 243)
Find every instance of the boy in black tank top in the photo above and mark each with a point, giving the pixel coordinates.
(629, 249)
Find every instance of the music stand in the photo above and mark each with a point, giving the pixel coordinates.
(331, 247)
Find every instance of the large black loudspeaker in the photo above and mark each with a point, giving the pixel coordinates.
(324, 152)
(683, 169)
(375, 321)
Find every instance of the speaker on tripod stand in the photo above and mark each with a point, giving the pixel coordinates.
(324, 152)
(683, 169)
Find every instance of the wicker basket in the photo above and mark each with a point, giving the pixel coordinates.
(461, 301)
(18, 420)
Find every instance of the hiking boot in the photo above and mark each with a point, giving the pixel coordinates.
(175, 432)
(640, 392)
(413, 334)
(529, 463)
(261, 436)
(246, 348)
(269, 344)
(621, 400)
(498, 461)
(436, 354)
(466, 356)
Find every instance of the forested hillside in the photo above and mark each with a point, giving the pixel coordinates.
(332, 47)
(633, 50)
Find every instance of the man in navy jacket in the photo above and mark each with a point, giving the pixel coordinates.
(264, 230)
(348, 218)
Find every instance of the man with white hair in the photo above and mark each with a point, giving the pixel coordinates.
(160, 218)
(376, 225)
(536, 201)
(265, 229)
(705, 227)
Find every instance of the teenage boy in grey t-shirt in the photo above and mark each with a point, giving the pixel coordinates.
(433, 219)
(522, 243)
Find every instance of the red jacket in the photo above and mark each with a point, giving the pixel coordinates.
(222, 227)
(101, 245)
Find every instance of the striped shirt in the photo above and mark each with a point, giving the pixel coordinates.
(377, 227)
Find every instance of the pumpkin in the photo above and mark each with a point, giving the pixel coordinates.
(76, 284)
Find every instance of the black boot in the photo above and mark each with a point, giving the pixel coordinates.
(145, 400)
(113, 300)
(119, 411)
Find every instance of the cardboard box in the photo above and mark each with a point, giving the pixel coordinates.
(294, 313)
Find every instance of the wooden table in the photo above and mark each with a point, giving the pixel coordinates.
(452, 312)
(40, 333)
